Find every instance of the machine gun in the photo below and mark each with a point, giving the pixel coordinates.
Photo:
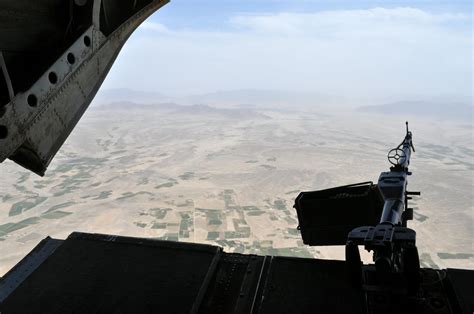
(373, 215)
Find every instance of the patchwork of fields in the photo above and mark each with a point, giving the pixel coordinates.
(229, 177)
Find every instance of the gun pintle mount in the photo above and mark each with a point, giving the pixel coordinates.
(372, 215)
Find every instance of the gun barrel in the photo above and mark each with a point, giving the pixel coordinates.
(406, 148)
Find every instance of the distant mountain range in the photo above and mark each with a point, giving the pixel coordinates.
(246, 100)
(233, 113)
(249, 98)
(276, 99)
(106, 96)
(430, 109)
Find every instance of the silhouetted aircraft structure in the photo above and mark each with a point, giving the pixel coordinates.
(54, 55)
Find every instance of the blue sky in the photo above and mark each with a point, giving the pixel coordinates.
(215, 13)
(390, 49)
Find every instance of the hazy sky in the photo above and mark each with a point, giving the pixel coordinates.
(396, 49)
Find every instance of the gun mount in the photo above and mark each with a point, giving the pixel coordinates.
(372, 215)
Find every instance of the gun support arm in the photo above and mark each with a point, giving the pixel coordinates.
(393, 244)
(392, 186)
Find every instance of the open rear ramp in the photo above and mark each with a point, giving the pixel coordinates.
(93, 273)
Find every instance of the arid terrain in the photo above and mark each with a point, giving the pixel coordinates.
(230, 176)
